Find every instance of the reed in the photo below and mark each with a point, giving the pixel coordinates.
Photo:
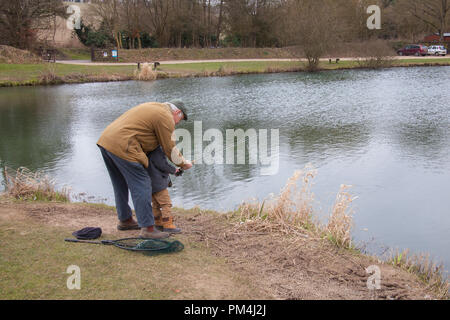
(340, 223)
(146, 73)
(49, 75)
(290, 212)
(224, 71)
(24, 184)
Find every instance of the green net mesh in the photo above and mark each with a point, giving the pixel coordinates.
(150, 246)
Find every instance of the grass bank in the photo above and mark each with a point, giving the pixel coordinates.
(34, 259)
(43, 74)
(218, 262)
(270, 250)
(167, 54)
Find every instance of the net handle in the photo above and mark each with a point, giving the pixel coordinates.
(105, 242)
(117, 243)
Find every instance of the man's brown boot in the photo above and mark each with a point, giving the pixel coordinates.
(159, 223)
(168, 226)
(155, 234)
(130, 224)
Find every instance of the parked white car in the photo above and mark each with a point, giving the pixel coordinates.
(437, 51)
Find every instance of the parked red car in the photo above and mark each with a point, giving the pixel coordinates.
(413, 50)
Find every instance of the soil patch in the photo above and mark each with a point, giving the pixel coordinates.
(309, 268)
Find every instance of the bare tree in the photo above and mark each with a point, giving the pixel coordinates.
(252, 22)
(109, 11)
(433, 13)
(402, 24)
(131, 17)
(219, 23)
(158, 14)
(314, 29)
(21, 20)
(313, 25)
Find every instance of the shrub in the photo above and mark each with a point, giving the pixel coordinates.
(376, 55)
(91, 37)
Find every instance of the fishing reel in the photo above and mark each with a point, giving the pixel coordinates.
(179, 172)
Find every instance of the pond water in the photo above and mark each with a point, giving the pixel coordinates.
(386, 133)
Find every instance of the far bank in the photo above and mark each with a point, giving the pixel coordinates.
(56, 73)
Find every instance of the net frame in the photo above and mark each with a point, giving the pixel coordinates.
(135, 242)
(132, 244)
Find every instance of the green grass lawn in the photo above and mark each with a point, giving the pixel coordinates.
(34, 259)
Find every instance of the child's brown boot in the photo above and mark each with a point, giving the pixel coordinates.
(168, 226)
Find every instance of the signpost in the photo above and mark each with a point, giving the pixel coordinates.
(105, 55)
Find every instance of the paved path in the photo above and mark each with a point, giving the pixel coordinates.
(89, 63)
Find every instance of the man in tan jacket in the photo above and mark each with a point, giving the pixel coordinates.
(124, 146)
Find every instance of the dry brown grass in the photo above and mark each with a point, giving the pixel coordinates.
(280, 70)
(13, 55)
(146, 73)
(165, 54)
(340, 223)
(224, 71)
(35, 186)
(290, 212)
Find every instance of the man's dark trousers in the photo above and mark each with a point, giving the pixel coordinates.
(126, 175)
